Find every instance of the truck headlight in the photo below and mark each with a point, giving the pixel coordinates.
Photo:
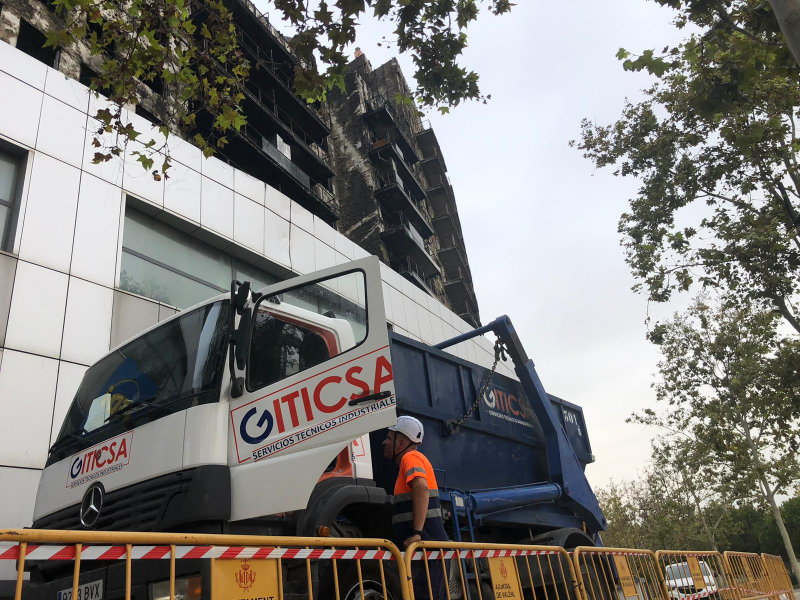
(186, 588)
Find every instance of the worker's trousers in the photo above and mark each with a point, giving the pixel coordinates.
(420, 579)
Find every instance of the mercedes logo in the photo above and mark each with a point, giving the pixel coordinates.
(91, 505)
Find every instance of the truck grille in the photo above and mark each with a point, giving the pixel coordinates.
(139, 507)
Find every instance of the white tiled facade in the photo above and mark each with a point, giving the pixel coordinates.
(60, 304)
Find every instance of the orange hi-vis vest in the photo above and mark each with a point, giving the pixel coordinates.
(414, 464)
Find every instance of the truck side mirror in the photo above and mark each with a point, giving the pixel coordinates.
(243, 334)
(241, 296)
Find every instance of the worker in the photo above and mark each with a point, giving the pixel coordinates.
(417, 512)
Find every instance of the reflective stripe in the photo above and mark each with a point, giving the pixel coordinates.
(409, 516)
(413, 470)
(404, 497)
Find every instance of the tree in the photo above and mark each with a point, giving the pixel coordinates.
(717, 133)
(191, 49)
(694, 476)
(432, 31)
(744, 16)
(653, 511)
(621, 515)
(730, 381)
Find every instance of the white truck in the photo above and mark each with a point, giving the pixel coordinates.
(253, 414)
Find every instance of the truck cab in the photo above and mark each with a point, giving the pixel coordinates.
(227, 414)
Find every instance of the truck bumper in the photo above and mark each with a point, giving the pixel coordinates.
(143, 574)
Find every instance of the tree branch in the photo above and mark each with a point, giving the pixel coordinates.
(726, 18)
(783, 308)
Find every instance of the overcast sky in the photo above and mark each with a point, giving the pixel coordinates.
(540, 224)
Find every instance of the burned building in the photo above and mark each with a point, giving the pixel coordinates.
(285, 139)
(93, 254)
(396, 200)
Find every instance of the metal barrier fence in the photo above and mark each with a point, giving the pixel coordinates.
(749, 575)
(372, 569)
(694, 575)
(619, 574)
(238, 565)
(455, 571)
(776, 570)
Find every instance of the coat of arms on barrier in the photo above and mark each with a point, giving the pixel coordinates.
(246, 576)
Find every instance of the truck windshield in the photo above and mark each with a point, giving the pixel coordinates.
(181, 360)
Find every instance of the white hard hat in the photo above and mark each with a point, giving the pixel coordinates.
(410, 427)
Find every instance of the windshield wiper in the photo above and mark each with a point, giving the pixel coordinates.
(73, 436)
(133, 405)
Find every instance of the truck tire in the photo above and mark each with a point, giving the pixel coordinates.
(567, 538)
(349, 588)
(486, 591)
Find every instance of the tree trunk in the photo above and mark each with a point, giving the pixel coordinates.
(711, 537)
(769, 496)
(787, 542)
(788, 14)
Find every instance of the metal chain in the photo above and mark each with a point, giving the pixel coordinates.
(499, 351)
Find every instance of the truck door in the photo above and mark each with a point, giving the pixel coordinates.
(318, 375)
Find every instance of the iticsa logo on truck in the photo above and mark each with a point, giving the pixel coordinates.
(315, 405)
(508, 406)
(98, 461)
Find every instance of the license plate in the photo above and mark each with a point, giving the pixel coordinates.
(86, 591)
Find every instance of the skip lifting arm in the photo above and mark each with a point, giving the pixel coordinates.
(565, 469)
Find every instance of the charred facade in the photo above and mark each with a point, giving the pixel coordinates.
(391, 177)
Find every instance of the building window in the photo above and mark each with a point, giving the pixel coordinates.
(31, 41)
(170, 266)
(12, 175)
(143, 112)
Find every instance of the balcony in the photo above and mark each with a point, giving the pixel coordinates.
(409, 269)
(325, 196)
(458, 285)
(451, 253)
(446, 221)
(440, 193)
(386, 121)
(308, 153)
(385, 151)
(317, 120)
(433, 167)
(428, 142)
(276, 35)
(402, 239)
(468, 314)
(394, 195)
(268, 117)
(251, 152)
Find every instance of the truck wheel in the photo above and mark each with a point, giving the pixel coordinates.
(486, 591)
(596, 584)
(349, 588)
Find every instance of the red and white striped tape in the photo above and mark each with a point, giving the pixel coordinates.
(614, 553)
(67, 552)
(436, 554)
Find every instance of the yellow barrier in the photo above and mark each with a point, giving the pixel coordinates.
(619, 574)
(776, 570)
(694, 575)
(454, 571)
(749, 575)
(241, 566)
